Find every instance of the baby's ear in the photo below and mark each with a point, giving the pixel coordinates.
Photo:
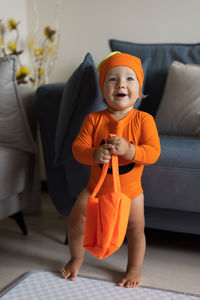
(141, 96)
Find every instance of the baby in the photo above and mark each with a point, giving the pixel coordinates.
(136, 143)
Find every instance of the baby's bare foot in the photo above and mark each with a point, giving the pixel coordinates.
(131, 279)
(70, 270)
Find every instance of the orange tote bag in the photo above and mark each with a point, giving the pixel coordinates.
(106, 216)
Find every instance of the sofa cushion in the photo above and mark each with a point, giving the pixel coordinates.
(156, 60)
(81, 96)
(14, 129)
(179, 153)
(175, 176)
(179, 111)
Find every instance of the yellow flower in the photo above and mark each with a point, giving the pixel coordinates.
(38, 51)
(1, 42)
(23, 70)
(49, 33)
(12, 24)
(12, 46)
(40, 71)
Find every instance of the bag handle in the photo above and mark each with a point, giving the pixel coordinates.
(115, 173)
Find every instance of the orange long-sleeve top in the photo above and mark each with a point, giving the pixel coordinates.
(136, 127)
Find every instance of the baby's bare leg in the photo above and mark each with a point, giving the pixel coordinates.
(136, 243)
(76, 225)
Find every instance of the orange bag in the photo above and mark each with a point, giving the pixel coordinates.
(106, 216)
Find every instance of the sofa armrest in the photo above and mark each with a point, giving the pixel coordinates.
(29, 101)
(48, 100)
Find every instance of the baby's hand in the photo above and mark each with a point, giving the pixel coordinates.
(122, 147)
(102, 155)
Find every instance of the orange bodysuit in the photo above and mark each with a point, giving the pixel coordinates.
(136, 127)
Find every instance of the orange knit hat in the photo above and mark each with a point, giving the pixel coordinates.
(120, 59)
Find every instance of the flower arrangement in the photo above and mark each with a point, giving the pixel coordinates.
(43, 55)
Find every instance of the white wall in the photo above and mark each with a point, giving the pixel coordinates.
(87, 25)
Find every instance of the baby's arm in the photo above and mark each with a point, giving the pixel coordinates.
(83, 149)
(148, 149)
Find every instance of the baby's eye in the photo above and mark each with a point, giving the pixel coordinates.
(112, 79)
(130, 78)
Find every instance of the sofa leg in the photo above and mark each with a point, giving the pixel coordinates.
(19, 218)
(66, 240)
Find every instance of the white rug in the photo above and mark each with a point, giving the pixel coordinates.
(44, 285)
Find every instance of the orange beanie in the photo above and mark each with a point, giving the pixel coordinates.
(120, 59)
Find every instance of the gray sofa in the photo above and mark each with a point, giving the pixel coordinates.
(171, 186)
(19, 159)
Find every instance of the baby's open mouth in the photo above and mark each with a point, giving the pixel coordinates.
(121, 95)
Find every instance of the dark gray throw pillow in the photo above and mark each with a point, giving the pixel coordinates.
(14, 127)
(156, 60)
(81, 96)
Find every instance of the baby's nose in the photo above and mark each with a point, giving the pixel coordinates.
(121, 83)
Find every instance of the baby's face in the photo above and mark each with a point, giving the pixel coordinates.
(121, 88)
